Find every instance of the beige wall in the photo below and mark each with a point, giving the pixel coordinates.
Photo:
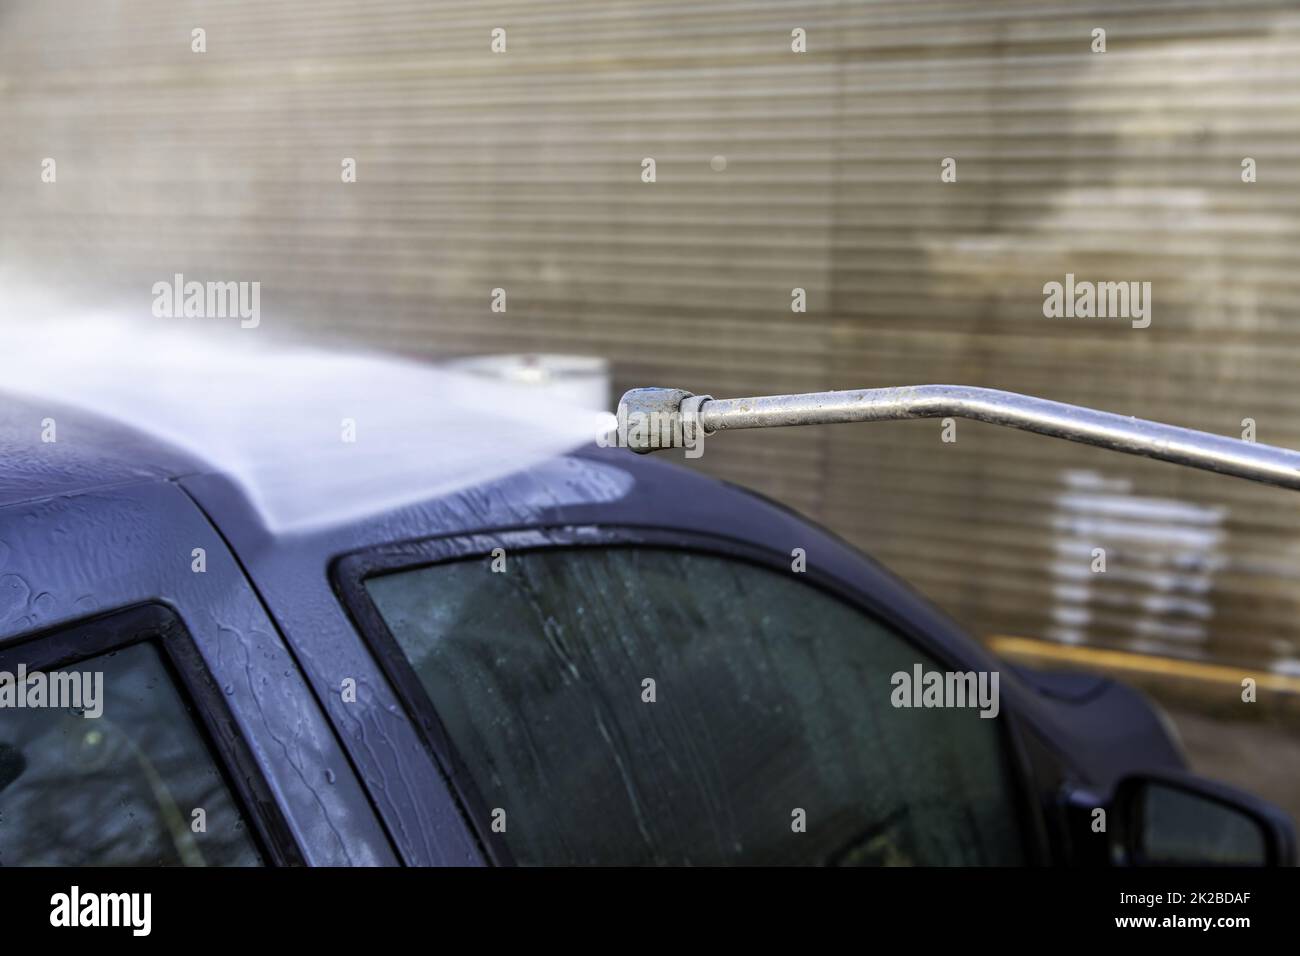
(522, 171)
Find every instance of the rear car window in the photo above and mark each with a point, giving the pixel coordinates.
(645, 706)
(132, 785)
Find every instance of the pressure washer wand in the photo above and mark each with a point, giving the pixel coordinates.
(653, 418)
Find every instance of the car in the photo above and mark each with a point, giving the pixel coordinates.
(596, 659)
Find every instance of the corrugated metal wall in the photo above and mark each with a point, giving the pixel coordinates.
(522, 171)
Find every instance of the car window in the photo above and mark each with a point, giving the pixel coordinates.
(770, 702)
(135, 785)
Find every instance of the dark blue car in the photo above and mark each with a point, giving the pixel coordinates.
(600, 659)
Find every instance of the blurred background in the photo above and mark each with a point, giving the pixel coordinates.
(521, 170)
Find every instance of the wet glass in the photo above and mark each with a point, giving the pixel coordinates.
(770, 739)
(121, 789)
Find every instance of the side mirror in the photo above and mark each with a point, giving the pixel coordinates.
(1176, 819)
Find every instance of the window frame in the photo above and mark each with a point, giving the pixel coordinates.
(349, 573)
(74, 642)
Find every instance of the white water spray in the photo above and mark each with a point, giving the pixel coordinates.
(314, 437)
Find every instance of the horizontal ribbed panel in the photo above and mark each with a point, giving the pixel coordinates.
(522, 171)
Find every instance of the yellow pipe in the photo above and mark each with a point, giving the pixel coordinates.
(1142, 663)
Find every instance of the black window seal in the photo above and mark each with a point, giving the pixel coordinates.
(349, 573)
(67, 644)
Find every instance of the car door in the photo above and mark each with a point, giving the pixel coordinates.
(194, 739)
(606, 695)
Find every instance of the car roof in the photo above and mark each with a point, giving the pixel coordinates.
(48, 448)
(51, 449)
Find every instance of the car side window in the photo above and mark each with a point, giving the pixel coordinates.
(645, 706)
(102, 762)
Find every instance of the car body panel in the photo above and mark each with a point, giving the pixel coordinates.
(115, 533)
(86, 452)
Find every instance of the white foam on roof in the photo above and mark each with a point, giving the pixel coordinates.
(276, 419)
